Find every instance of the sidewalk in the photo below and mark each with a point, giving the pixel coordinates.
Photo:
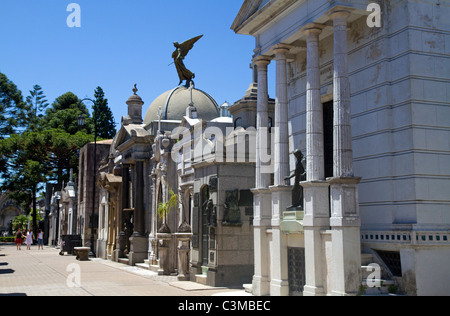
(45, 273)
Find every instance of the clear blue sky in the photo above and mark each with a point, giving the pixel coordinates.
(121, 43)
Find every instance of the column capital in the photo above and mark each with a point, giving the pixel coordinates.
(339, 14)
(261, 60)
(313, 29)
(281, 50)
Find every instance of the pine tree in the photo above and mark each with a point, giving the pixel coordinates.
(63, 115)
(37, 104)
(12, 108)
(106, 127)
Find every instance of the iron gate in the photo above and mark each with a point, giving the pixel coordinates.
(296, 270)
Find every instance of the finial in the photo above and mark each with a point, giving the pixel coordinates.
(135, 90)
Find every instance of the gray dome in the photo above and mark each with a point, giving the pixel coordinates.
(174, 102)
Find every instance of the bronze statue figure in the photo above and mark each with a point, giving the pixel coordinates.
(300, 175)
(178, 56)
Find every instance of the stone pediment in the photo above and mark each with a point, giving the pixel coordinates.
(249, 8)
(131, 134)
(133, 141)
(255, 14)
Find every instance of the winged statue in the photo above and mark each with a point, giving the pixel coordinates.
(178, 56)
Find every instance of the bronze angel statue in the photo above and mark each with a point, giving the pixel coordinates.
(178, 56)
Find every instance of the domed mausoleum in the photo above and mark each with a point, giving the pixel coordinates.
(173, 104)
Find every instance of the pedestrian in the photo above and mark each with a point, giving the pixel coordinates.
(29, 239)
(41, 239)
(19, 239)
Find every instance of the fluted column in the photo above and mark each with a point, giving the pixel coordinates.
(345, 221)
(342, 144)
(262, 124)
(281, 190)
(281, 143)
(262, 196)
(315, 169)
(315, 188)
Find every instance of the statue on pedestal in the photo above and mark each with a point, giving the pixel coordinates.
(300, 175)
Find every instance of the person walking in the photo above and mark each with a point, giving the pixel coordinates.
(41, 240)
(29, 239)
(19, 239)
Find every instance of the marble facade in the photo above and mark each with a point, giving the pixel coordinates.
(383, 91)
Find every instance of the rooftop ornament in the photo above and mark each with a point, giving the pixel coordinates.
(178, 56)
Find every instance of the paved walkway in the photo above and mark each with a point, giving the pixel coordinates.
(45, 273)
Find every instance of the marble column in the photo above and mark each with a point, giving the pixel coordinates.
(262, 195)
(345, 221)
(281, 191)
(315, 188)
(281, 143)
(342, 141)
(315, 169)
(262, 124)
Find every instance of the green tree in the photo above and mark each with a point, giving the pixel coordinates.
(63, 114)
(37, 104)
(63, 153)
(20, 222)
(23, 168)
(12, 108)
(30, 159)
(106, 127)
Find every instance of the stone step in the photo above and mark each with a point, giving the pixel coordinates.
(124, 260)
(248, 288)
(201, 278)
(144, 266)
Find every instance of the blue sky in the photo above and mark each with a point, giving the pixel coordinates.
(121, 43)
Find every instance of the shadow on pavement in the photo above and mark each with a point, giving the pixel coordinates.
(14, 294)
(6, 271)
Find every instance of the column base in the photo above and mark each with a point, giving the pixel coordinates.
(316, 204)
(260, 286)
(279, 287)
(138, 250)
(281, 200)
(313, 291)
(262, 207)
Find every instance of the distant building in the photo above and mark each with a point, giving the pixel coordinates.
(85, 219)
(8, 210)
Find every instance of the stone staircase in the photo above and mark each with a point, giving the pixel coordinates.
(147, 266)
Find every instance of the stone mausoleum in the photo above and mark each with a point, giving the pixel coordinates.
(368, 105)
(179, 148)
